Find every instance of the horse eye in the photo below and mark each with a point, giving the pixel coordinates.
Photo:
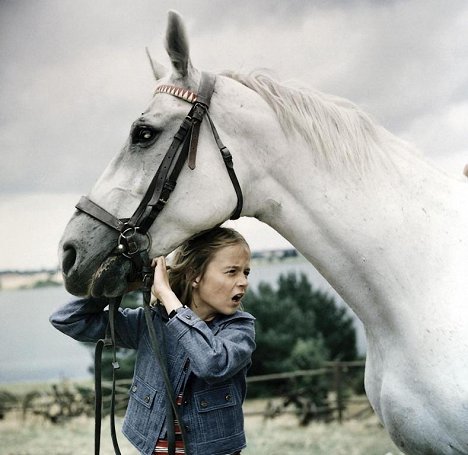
(143, 135)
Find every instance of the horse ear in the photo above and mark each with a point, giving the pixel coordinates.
(159, 70)
(177, 44)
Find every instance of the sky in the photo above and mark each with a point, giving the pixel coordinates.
(74, 75)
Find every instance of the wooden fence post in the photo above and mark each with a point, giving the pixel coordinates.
(338, 390)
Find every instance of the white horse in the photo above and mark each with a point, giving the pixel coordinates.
(386, 228)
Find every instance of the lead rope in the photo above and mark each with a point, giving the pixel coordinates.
(108, 341)
(98, 395)
(172, 412)
(113, 308)
(171, 405)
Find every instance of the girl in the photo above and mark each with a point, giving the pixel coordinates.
(208, 339)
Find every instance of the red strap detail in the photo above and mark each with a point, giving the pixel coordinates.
(178, 92)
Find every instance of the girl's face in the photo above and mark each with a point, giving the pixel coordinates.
(224, 283)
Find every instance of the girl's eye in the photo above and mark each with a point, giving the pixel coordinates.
(143, 135)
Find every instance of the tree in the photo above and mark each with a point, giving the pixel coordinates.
(298, 328)
(295, 311)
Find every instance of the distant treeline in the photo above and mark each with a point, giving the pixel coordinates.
(278, 254)
(28, 272)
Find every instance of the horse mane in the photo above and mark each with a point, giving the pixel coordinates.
(337, 129)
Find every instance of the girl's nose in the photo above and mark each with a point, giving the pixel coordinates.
(243, 281)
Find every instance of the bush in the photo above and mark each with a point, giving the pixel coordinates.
(298, 328)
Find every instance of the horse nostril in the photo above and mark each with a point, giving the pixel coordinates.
(68, 259)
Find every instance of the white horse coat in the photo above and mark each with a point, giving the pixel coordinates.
(386, 228)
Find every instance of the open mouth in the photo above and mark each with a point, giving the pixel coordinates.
(237, 298)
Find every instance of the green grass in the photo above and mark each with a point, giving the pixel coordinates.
(38, 437)
(283, 436)
(279, 436)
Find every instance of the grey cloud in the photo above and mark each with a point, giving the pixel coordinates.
(74, 74)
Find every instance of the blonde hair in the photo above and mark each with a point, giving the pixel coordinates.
(192, 258)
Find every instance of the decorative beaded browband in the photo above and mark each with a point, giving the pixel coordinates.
(181, 93)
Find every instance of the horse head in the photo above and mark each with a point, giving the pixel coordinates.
(204, 195)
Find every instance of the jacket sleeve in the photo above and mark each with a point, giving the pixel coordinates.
(215, 357)
(86, 320)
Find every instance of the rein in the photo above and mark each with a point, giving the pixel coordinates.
(134, 241)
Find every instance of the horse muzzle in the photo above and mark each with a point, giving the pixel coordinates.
(90, 261)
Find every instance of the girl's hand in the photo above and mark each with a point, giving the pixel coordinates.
(161, 288)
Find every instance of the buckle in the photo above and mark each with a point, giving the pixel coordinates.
(227, 157)
(128, 242)
(199, 111)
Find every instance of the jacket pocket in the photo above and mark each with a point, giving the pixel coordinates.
(217, 398)
(142, 392)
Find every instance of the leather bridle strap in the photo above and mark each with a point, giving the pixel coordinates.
(183, 147)
(165, 179)
(113, 309)
(108, 341)
(205, 93)
(159, 190)
(227, 158)
(89, 207)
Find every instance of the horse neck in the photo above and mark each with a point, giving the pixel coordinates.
(382, 238)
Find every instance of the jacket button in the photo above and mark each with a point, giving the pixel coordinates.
(187, 428)
(134, 388)
(188, 316)
(147, 399)
(186, 366)
(228, 397)
(203, 403)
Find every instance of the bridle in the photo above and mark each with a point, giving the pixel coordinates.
(134, 241)
(183, 147)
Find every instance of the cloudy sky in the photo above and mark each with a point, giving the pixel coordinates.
(74, 75)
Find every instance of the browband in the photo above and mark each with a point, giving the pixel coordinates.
(178, 92)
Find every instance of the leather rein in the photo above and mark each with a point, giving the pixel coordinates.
(134, 241)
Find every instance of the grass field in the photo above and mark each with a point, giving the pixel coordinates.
(278, 436)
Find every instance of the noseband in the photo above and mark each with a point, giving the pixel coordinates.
(182, 148)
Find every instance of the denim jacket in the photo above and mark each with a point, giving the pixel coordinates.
(207, 363)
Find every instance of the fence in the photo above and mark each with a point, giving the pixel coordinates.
(340, 399)
(69, 400)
